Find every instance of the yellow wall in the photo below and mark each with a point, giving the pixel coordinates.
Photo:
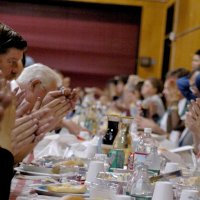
(151, 31)
(152, 37)
(188, 39)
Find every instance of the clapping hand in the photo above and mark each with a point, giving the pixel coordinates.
(7, 113)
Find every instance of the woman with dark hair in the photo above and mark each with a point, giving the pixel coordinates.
(176, 107)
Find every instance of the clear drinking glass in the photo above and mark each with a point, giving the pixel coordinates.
(141, 188)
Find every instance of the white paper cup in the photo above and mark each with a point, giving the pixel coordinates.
(189, 194)
(91, 151)
(163, 191)
(122, 197)
(94, 168)
(171, 167)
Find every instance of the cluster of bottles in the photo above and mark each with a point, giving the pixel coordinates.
(146, 161)
(91, 115)
(118, 131)
(143, 159)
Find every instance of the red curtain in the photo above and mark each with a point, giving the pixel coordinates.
(89, 43)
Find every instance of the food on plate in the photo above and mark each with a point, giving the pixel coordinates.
(67, 163)
(55, 165)
(192, 181)
(47, 161)
(114, 177)
(70, 162)
(67, 188)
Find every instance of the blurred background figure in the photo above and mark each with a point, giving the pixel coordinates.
(196, 60)
(152, 104)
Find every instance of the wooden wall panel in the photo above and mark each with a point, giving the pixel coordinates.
(184, 48)
(188, 15)
(187, 30)
(152, 38)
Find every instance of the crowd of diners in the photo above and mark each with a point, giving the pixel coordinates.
(36, 99)
(170, 107)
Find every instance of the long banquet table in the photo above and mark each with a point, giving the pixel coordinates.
(21, 190)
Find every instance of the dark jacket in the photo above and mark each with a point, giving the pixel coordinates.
(6, 173)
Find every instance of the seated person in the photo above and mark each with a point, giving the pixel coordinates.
(188, 137)
(183, 82)
(194, 81)
(133, 96)
(130, 95)
(176, 106)
(151, 92)
(121, 82)
(41, 82)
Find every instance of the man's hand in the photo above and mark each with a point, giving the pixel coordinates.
(193, 116)
(59, 108)
(7, 114)
(23, 132)
(144, 122)
(70, 96)
(54, 95)
(193, 121)
(20, 96)
(45, 117)
(23, 109)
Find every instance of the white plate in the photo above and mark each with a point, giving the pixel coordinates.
(32, 168)
(42, 190)
(184, 148)
(34, 173)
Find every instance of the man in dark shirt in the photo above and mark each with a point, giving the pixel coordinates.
(6, 157)
(12, 47)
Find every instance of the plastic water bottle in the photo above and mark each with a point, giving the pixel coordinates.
(153, 161)
(144, 146)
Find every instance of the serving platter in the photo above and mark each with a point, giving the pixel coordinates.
(42, 190)
(43, 173)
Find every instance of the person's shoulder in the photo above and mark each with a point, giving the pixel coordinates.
(156, 97)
